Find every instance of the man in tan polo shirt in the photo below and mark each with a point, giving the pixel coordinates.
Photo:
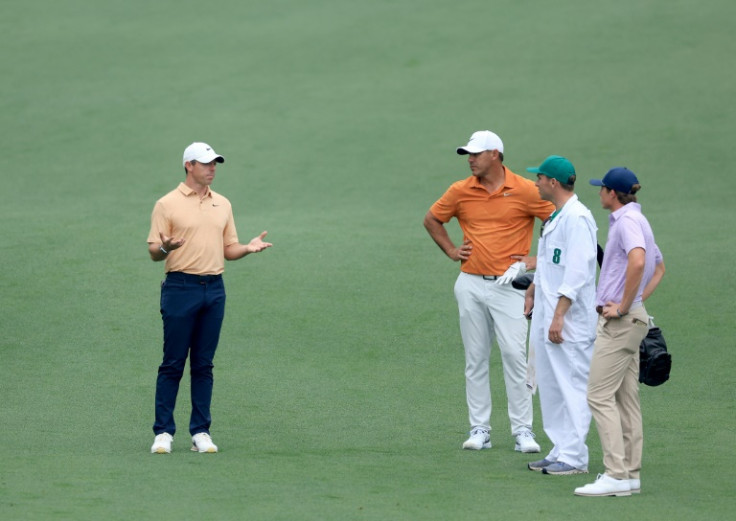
(193, 231)
(495, 209)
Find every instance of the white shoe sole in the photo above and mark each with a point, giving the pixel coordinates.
(528, 450)
(536, 469)
(472, 446)
(572, 472)
(622, 493)
(210, 450)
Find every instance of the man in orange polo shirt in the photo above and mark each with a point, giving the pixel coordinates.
(495, 209)
(193, 230)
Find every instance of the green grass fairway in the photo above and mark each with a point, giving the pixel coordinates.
(339, 389)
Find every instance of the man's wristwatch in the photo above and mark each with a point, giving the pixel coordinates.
(162, 250)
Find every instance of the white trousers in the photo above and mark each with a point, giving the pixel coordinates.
(562, 377)
(491, 311)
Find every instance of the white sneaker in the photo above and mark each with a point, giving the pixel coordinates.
(635, 485)
(605, 486)
(479, 439)
(525, 442)
(201, 442)
(162, 444)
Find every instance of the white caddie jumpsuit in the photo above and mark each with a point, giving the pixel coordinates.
(566, 266)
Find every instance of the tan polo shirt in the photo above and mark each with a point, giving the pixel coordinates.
(206, 224)
(498, 225)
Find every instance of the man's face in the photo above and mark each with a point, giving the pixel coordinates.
(480, 163)
(607, 197)
(544, 185)
(202, 173)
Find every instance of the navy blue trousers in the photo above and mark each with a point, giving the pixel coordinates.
(192, 309)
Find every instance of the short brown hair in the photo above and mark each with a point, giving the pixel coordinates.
(628, 198)
(570, 185)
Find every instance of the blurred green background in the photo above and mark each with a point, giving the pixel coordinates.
(339, 389)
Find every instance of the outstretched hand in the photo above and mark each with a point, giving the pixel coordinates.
(257, 244)
(169, 243)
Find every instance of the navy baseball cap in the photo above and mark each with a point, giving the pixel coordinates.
(620, 179)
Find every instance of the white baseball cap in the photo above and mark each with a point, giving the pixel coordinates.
(201, 153)
(480, 141)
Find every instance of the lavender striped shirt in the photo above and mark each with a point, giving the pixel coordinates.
(628, 229)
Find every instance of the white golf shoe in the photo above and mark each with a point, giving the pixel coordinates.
(162, 444)
(605, 486)
(525, 442)
(201, 442)
(635, 485)
(479, 439)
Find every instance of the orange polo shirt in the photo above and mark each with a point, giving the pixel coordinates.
(206, 224)
(498, 225)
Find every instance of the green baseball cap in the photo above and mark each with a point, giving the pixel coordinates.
(556, 167)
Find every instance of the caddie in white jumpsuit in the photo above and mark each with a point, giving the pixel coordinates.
(564, 318)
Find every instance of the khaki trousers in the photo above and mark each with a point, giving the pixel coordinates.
(613, 392)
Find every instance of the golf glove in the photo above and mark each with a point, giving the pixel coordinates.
(516, 269)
